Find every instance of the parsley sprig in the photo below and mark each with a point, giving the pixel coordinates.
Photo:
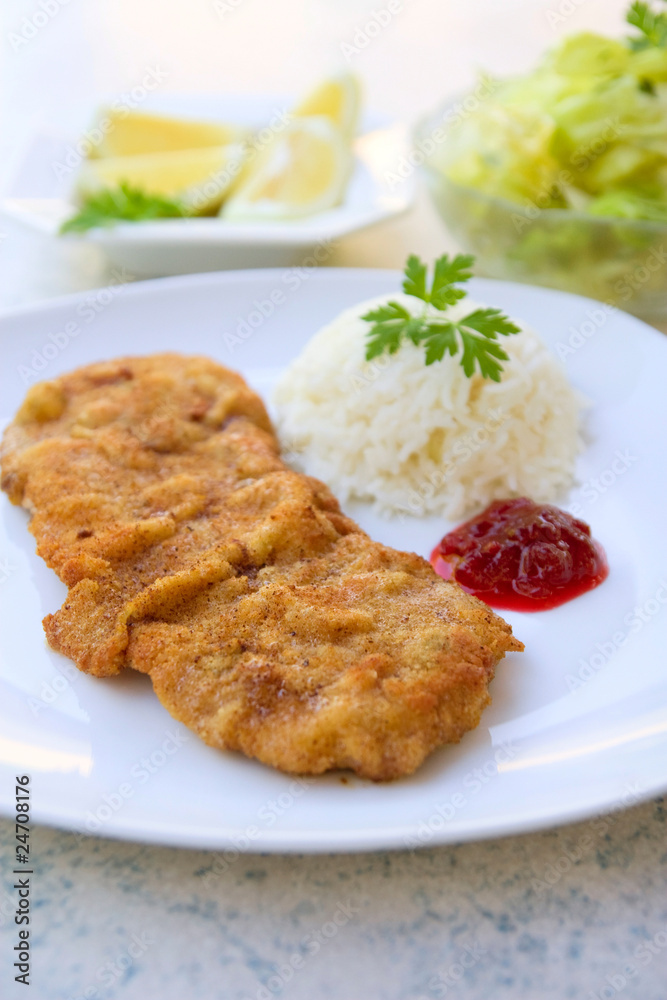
(651, 25)
(474, 336)
(124, 203)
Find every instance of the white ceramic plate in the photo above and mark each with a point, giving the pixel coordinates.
(41, 199)
(106, 757)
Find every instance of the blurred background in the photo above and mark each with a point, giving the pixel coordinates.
(60, 58)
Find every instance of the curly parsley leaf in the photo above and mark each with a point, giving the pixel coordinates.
(438, 338)
(481, 350)
(124, 203)
(415, 278)
(447, 273)
(490, 323)
(486, 353)
(651, 25)
(474, 336)
(389, 323)
(387, 313)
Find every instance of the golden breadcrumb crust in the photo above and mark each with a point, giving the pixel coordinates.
(267, 620)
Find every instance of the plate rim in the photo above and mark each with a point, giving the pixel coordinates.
(372, 839)
(319, 272)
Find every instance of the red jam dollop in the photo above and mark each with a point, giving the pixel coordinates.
(522, 556)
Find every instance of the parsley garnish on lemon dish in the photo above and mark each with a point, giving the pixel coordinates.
(122, 204)
(474, 335)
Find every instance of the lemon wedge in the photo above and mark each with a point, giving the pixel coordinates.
(303, 170)
(199, 178)
(338, 98)
(136, 133)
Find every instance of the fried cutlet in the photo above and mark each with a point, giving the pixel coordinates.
(268, 621)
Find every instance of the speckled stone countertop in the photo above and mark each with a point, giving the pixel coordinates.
(576, 912)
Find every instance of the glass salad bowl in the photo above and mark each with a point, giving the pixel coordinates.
(620, 261)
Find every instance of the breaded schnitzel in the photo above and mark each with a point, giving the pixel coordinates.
(267, 620)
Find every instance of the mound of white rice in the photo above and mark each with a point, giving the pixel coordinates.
(422, 439)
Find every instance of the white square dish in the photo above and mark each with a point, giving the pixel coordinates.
(40, 198)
